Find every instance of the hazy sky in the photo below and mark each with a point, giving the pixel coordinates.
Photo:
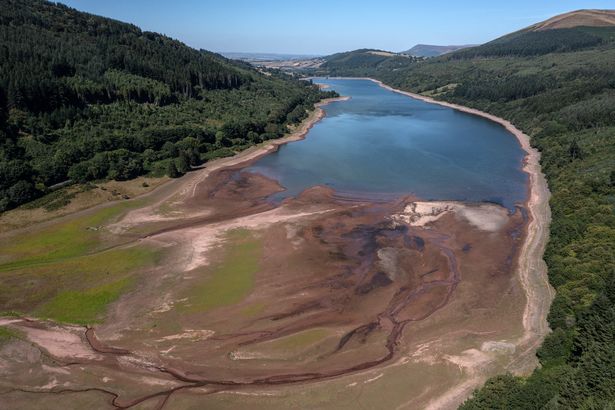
(327, 26)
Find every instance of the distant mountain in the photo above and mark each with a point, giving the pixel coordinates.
(363, 56)
(427, 50)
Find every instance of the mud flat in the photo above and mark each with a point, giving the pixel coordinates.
(532, 270)
(320, 301)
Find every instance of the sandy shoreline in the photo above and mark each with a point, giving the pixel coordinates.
(532, 270)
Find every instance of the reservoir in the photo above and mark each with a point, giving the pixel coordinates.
(385, 144)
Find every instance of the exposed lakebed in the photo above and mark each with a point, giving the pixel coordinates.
(383, 143)
(276, 304)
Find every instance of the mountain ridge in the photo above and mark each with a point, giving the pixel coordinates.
(577, 18)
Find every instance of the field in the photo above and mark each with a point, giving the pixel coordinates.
(66, 271)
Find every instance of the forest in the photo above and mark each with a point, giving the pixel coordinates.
(362, 62)
(558, 87)
(84, 98)
(533, 43)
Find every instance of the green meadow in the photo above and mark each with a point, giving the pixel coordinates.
(57, 272)
(86, 306)
(61, 240)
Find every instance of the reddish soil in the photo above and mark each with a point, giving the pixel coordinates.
(345, 285)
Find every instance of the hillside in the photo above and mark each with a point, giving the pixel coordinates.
(558, 86)
(587, 18)
(84, 97)
(426, 50)
(362, 61)
(578, 30)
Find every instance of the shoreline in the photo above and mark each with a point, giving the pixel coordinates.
(264, 148)
(189, 181)
(531, 270)
(531, 267)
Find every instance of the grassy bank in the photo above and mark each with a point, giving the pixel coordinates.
(62, 272)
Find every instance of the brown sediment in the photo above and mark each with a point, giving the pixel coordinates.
(348, 240)
(184, 189)
(531, 268)
(377, 278)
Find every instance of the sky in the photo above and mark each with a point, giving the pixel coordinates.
(321, 27)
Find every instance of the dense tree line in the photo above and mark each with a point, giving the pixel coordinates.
(532, 43)
(558, 86)
(84, 97)
(503, 88)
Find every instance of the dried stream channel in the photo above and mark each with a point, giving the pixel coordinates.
(389, 269)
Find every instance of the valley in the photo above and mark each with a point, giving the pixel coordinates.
(364, 291)
(182, 229)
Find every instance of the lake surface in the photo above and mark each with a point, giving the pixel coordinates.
(382, 143)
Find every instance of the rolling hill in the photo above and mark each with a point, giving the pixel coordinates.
(84, 97)
(574, 31)
(426, 50)
(362, 61)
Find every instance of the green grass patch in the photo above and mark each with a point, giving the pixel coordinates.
(7, 335)
(300, 340)
(86, 306)
(232, 279)
(253, 309)
(59, 241)
(26, 288)
(56, 271)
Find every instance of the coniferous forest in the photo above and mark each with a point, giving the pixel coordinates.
(84, 98)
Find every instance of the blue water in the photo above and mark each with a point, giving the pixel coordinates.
(381, 143)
